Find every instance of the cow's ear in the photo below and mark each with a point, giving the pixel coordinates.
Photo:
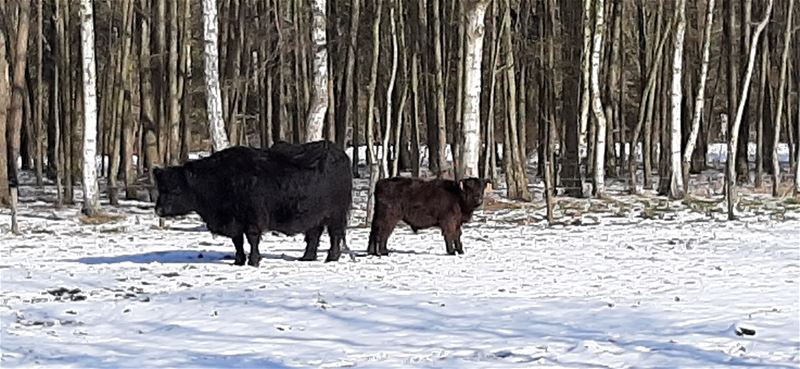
(157, 172)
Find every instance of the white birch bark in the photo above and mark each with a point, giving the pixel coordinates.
(676, 172)
(319, 99)
(370, 126)
(472, 89)
(586, 76)
(216, 126)
(389, 93)
(734, 130)
(787, 39)
(90, 192)
(699, 100)
(597, 103)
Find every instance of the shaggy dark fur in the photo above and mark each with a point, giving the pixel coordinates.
(242, 191)
(424, 204)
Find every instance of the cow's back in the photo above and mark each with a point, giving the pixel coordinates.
(423, 203)
(292, 194)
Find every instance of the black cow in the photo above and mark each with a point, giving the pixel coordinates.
(241, 191)
(424, 204)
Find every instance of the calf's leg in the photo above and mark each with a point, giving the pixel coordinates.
(255, 256)
(312, 243)
(457, 242)
(449, 233)
(238, 243)
(379, 235)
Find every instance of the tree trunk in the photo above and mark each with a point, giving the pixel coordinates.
(387, 133)
(5, 97)
(173, 108)
(597, 103)
(586, 69)
(15, 112)
(441, 132)
(351, 110)
(762, 108)
(369, 133)
(787, 39)
(475, 12)
(39, 121)
(676, 189)
(219, 139)
(516, 175)
(699, 97)
(91, 205)
(319, 98)
(734, 131)
(571, 178)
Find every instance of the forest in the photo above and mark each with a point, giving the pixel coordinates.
(634, 93)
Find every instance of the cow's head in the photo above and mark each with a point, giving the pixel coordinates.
(472, 191)
(174, 195)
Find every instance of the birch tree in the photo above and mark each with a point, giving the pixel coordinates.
(90, 193)
(734, 130)
(787, 39)
(370, 129)
(319, 98)
(597, 103)
(700, 96)
(475, 11)
(5, 96)
(216, 126)
(676, 189)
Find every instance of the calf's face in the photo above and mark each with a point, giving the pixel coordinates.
(472, 190)
(174, 197)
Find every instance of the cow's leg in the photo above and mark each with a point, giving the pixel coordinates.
(336, 231)
(459, 247)
(255, 256)
(238, 243)
(312, 243)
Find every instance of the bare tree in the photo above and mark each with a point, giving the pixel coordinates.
(439, 87)
(5, 98)
(734, 131)
(475, 11)
(319, 97)
(219, 138)
(370, 128)
(787, 39)
(91, 205)
(597, 103)
(700, 96)
(676, 188)
(389, 92)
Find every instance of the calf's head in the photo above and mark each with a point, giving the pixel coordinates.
(472, 190)
(174, 194)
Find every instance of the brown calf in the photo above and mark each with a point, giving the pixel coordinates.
(424, 204)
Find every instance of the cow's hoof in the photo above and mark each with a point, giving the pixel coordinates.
(451, 252)
(308, 258)
(254, 261)
(331, 258)
(239, 260)
(460, 251)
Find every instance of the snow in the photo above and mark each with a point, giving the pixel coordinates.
(636, 281)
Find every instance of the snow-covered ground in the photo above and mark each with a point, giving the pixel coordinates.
(629, 282)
